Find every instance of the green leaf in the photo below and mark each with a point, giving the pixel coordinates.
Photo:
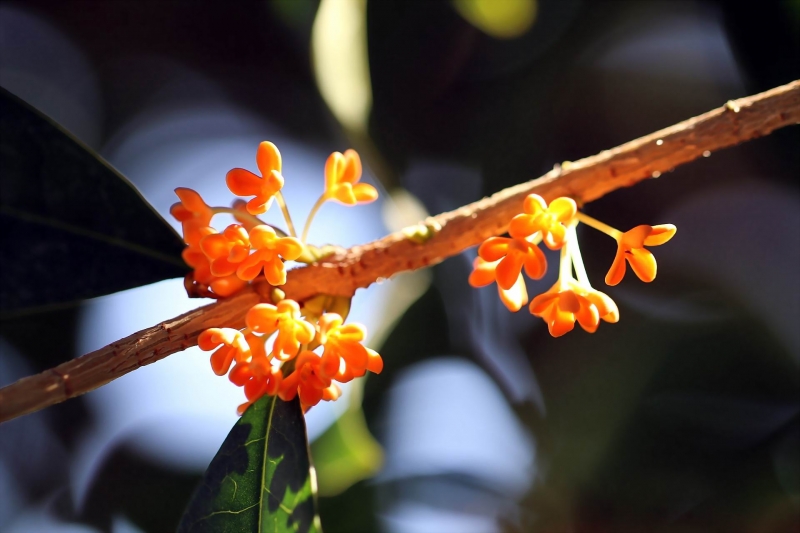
(72, 226)
(261, 478)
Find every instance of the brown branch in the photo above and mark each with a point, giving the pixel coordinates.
(360, 266)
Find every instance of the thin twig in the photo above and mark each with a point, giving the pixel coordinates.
(360, 266)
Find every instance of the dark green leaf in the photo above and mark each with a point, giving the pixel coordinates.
(72, 226)
(260, 479)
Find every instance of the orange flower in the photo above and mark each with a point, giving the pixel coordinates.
(269, 248)
(257, 376)
(484, 274)
(562, 305)
(226, 250)
(342, 172)
(242, 182)
(232, 345)
(513, 254)
(631, 247)
(344, 357)
(193, 214)
(309, 382)
(549, 220)
(284, 318)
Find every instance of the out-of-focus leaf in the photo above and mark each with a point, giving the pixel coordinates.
(346, 453)
(502, 19)
(73, 227)
(260, 479)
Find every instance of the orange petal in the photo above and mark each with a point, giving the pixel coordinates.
(606, 307)
(180, 213)
(555, 235)
(214, 245)
(374, 362)
(240, 374)
(617, 270)
(660, 234)
(310, 396)
(535, 263)
(522, 226)
(249, 269)
(483, 274)
(333, 170)
(563, 208)
(275, 272)
(227, 286)
(289, 247)
(515, 297)
(331, 393)
(560, 323)
(542, 302)
(258, 205)
(262, 236)
(268, 158)
(494, 248)
(191, 199)
(643, 264)
(221, 360)
(352, 168)
(534, 204)
(242, 182)
(568, 301)
(634, 238)
(262, 318)
(344, 193)
(365, 193)
(588, 316)
(508, 270)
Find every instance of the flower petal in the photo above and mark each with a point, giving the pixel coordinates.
(365, 193)
(289, 247)
(617, 270)
(268, 158)
(352, 168)
(555, 235)
(535, 263)
(333, 170)
(275, 272)
(508, 270)
(660, 234)
(563, 208)
(515, 297)
(534, 204)
(249, 269)
(643, 264)
(494, 248)
(483, 273)
(522, 226)
(242, 182)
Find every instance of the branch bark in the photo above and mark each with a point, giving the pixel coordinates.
(358, 267)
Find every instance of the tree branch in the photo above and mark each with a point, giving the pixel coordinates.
(360, 266)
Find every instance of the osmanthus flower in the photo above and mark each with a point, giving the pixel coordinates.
(293, 330)
(631, 248)
(549, 220)
(226, 250)
(309, 382)
(230, 345)
(342, 175)
(258, 376)
(567, 302)
(193, 214)
(343, 356)
(512, 256)
(483, 274)
(269, 252)
(263, 188)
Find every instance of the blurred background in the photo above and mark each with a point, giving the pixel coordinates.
(684, 416)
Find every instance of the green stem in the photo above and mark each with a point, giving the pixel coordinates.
(286, 216)
(596, 224)
(321, 200)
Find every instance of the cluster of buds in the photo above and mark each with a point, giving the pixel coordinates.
(275, 354)
(572, 298)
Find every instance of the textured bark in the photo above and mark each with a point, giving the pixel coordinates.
(358, 267)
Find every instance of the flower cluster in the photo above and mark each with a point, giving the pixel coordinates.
(572, 298)
(275, 354)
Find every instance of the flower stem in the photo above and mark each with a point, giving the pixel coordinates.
(565, 267)
(286, 216)
(311, 215)
(575, 251)
(596, 224)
